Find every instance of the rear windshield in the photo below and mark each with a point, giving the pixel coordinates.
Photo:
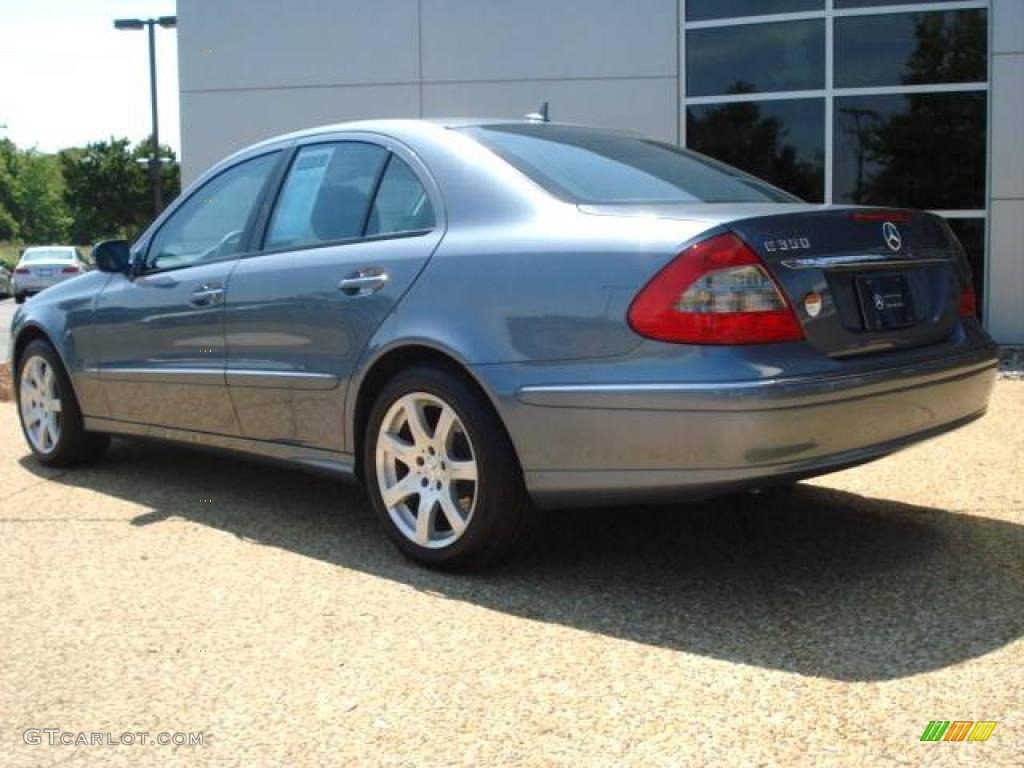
(48, 254)
(584, 165)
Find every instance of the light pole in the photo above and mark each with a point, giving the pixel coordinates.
(167, 22)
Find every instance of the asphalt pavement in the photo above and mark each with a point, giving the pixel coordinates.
(170, 591)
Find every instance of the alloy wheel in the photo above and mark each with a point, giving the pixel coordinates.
(426, 470)
(41, 408)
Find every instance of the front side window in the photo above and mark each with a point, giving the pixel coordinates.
(583, 165)
(402, 204)
(210, 224)
(326, 195)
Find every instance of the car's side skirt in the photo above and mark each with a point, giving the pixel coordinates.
(340, 465)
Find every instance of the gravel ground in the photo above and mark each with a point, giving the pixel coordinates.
(824, 625)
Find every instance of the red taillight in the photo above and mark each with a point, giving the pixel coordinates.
(69, 271)
(968, 302)
(21, 271)
(715, 292)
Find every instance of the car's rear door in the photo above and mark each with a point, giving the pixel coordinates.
(160, 332)
(355, 221)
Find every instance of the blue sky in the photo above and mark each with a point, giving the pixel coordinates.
(68, 77)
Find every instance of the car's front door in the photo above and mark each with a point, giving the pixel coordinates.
(352, 227)
(160, 331)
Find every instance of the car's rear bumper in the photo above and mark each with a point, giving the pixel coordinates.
(28, 286)
(605, 443)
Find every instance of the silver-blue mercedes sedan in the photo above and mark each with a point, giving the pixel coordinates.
(483, 319)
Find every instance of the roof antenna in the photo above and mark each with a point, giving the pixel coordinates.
(540, 116)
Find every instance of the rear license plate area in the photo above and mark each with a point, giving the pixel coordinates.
(885, 301)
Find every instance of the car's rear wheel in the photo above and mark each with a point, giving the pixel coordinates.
(50, 416)
(19, 298)
(442, 473)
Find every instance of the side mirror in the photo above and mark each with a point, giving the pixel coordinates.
(112, 256)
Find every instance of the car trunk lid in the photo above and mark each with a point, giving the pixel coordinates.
(863, 280)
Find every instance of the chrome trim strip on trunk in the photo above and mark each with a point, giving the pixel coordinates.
(328, 462)
(861, 260)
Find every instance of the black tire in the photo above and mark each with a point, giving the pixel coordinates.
(19, 298)
(74, 446)
(503, 516)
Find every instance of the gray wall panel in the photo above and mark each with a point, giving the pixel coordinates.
(647, 106)
(536, 39)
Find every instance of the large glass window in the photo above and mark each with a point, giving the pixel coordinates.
(780, 141)
(700, 10)
(918, 150)
(871, 102)
(326, 195)
(911, 48)
(752, 58)
(210, 224)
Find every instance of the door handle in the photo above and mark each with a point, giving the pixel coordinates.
(208, 295)
(364, 282)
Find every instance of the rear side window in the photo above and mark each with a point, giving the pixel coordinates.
(583, 165)
(326, 194)
(401, 205)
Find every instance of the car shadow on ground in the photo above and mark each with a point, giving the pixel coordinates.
(807, 580)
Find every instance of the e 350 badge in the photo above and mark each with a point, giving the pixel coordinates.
(787, 244)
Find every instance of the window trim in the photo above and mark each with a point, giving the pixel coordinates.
(390, 147)
(250, 223)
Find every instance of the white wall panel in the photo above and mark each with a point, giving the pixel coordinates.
(219, 123)
(270, 43)
(1008, 26)
(1006, 271)
(1008, 126)
(537, 39)
(647, 106)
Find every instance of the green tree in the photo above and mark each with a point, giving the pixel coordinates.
(41, 212)
(8, 191)
(102, 183)
(108, 191)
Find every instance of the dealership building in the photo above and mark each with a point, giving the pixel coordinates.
(911, 103)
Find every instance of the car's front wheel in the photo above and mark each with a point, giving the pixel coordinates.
(442, 473)
(50, 415)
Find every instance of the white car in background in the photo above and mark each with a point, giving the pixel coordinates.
(43, 266)
(5, 282)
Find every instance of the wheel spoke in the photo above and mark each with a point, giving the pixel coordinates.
(462, 470)
(400, 491)
(451, 512)
(51, 430)
(417, 421)
(442, 432)
(397, 448)
(425, 518)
